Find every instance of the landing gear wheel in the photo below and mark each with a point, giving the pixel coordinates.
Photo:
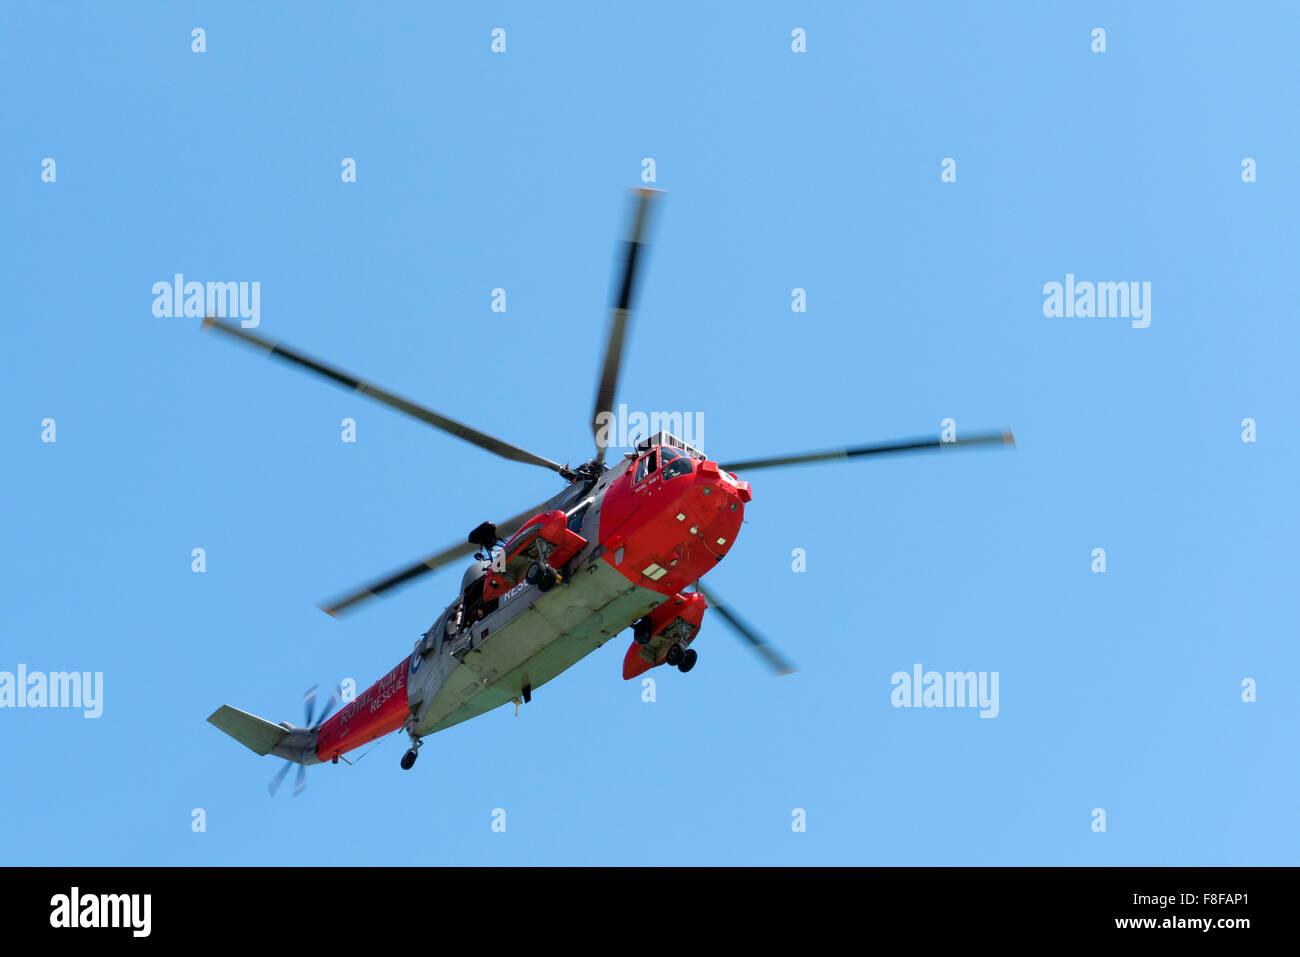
(641, 631)
(543, 576)
(674, 656)
(688, 660)
(408, 759)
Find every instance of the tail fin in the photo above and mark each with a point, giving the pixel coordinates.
(257, 734)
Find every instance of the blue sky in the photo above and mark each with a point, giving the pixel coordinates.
(818, 170)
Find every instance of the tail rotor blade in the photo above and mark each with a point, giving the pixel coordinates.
(328, 707)
(279, 778)
(308, 700)
(301, 784)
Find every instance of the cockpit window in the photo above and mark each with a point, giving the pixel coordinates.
(644, 467)
(667, 453)
(678, 466)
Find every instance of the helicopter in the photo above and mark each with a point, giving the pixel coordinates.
(620, 546)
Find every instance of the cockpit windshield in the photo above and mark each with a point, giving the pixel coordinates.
(680, 465)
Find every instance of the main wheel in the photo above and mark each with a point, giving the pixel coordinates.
(688, 660)
(674, 656)
(549, 578)
(408, 759)
(534, 574)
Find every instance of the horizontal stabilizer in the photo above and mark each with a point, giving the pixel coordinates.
(257, 734)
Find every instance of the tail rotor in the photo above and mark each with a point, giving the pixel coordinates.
(313, 718)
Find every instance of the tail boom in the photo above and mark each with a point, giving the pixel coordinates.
(262, 737)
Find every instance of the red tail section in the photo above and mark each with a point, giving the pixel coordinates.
(382, 709)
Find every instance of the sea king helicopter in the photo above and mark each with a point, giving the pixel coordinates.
(620, 546)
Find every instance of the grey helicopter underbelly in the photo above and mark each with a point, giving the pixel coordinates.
(457, 673)
(522, 645)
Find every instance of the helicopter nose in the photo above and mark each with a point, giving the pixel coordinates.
(713, 474)
(685, 523)
(716, 508)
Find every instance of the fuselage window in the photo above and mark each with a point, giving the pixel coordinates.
(471, 603)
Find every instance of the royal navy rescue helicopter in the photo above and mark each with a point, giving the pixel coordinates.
(620, 546)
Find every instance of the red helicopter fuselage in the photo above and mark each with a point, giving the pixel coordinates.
(664, 523)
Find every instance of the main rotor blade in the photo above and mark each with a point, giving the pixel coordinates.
(762, 646)
(425, 565)
(451, 426)
(625, 298)
(906, 445)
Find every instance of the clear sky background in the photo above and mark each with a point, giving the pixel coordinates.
(819, 170)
